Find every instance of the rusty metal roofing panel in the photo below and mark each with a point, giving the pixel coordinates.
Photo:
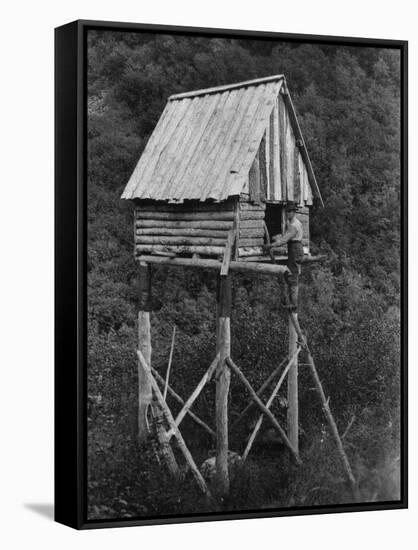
(204, 143)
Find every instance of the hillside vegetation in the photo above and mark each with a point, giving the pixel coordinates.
(348, 104)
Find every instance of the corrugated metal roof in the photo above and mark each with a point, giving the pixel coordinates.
(204, 143)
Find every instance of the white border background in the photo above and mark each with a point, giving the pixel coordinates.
(26, 275)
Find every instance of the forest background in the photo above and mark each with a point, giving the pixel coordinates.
(348, 103)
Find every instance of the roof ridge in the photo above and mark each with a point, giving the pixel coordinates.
(225, 87)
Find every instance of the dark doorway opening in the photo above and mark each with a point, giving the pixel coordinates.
(274, 219)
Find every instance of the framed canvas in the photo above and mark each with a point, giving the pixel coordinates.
(231, 274)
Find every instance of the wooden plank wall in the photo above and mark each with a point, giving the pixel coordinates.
(278, 172)
(189, 228)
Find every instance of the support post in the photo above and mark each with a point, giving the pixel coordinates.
(292, 391)
(223, 375)
(325, 406)
(144, 345)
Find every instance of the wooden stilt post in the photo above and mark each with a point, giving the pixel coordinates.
(292, 391)
(325, 406)
(144, 345)
(223, 375)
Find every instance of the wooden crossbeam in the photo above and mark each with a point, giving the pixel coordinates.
(268, 405)
(205, 379)
(265, 410)
(208, 263)
(169, 417)
(180, 400)
(260, 390)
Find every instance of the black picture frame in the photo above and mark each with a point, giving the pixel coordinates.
(70, 272)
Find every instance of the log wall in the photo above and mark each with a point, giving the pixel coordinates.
(251, 227)
(188, 228)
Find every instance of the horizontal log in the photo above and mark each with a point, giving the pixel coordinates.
(214, 264)
(186, 207)
(250, 242)
(265, 258)
(250, 251)
(181, 224)
(169, 232)
(307, 259)
(251, 233)
(280, 250)
(189, 249)
(247, 224)
(195, 241)
(186, 216)
(252, 214)
(250, 206)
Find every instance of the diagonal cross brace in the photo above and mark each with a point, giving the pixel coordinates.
(268, 405)
(265, 410)
(169, 417)
(261, 389)
(181, 401)
(206, 378)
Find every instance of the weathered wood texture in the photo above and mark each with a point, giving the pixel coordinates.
(228, 252)
(303, 217)
(180, 400)
(196, 392)
(189, 228)
(144, 344)
(169, 417)
(164, 451)
(325, 403)
(260, 391)
(252, 216)
(257, 426)
(263, 408)
(207, 263)
(223, 376)
(292, 391)
(279, 171)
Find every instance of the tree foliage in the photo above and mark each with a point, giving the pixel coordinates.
(347, 100)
